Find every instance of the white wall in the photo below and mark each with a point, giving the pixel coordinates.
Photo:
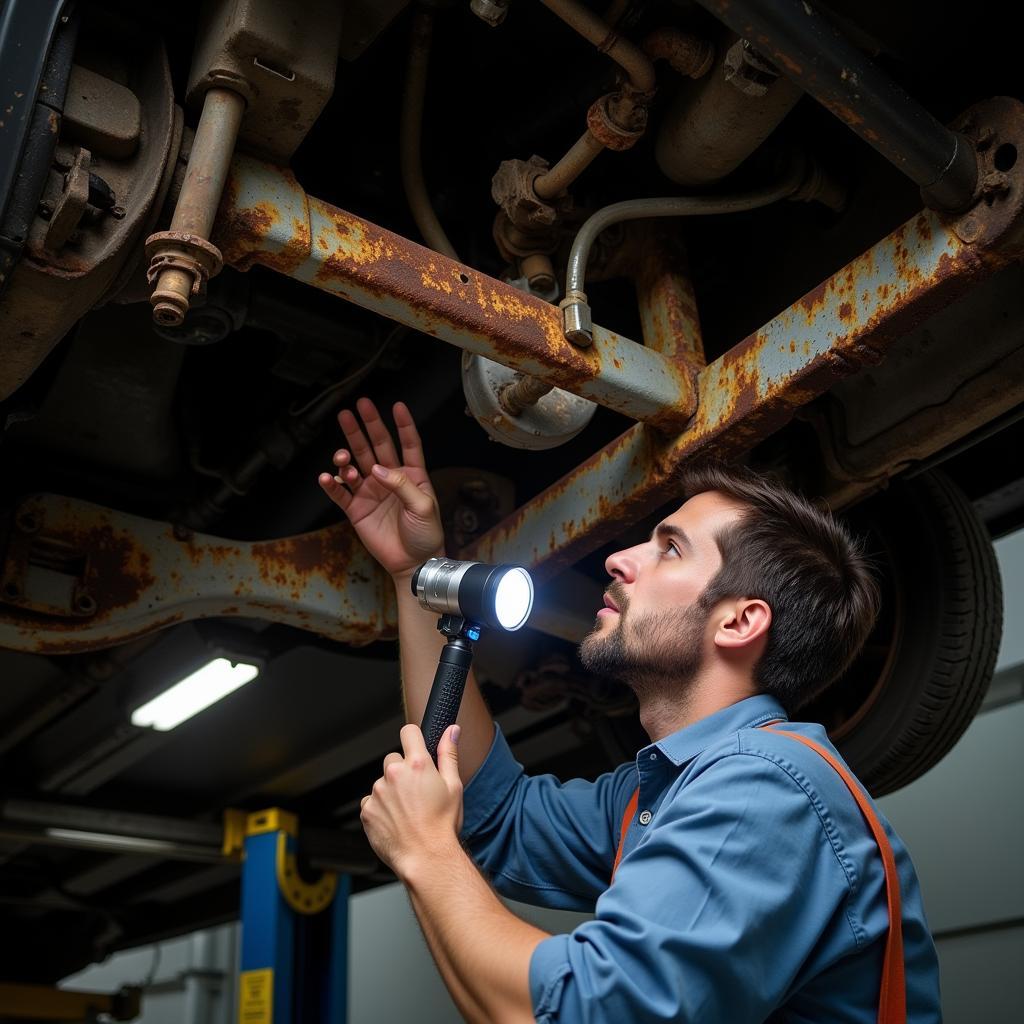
(964, 825)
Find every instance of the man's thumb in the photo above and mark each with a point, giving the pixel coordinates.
(418, 503)
(448, 754)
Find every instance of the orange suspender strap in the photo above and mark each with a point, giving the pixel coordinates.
(627, 818)
(892, 1002)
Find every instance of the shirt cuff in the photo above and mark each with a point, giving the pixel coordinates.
(549, 970)
(490, 785)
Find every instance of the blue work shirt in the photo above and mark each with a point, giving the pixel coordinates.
(750, 887)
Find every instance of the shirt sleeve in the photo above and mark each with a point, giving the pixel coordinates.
(540, 840)
(712, 915)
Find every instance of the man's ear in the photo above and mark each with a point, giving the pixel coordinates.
(743, 622)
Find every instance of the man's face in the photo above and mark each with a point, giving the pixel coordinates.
(655, 630)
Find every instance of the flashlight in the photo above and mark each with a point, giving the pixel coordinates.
(468, 596)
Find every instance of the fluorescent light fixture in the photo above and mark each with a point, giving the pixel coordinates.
(195, 693)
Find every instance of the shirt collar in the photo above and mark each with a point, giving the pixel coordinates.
(686, 743)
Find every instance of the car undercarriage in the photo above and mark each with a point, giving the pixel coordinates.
(586, 245)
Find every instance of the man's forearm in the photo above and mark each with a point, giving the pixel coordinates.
(481, 948)
(419, 644)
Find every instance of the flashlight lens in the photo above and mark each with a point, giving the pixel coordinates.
(513, 599)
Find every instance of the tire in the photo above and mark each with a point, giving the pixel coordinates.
(921, 678)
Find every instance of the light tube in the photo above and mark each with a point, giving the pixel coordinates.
(195, 693)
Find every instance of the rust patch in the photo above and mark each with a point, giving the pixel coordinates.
(380, 270)
(118, 571)
(292, 561)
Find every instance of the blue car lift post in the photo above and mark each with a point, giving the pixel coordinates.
(294, 960)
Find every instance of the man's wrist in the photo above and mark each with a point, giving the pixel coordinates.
(420, 867)
(403, 577)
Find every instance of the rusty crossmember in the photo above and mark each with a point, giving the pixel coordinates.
(80, 577)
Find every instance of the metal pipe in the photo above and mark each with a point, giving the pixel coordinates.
(810, 51)
(686, 54)
(582, 154)
(208, 162)
(182, 259)
(149, 835)
(629, 57)
(107, 843)
(577, 322)
(638, 67)
(411, 133)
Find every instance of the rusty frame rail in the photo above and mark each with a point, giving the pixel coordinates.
(266, 218)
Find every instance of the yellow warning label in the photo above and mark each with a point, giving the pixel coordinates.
(256, 997)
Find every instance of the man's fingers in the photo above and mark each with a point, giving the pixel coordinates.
(392, 758)
(413, 743)
(448, 756)
(339, 494)
(411, 496)
(362, 452)
(409, 437)
(380, 437)
(362, 803)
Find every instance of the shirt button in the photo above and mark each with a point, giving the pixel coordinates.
(645, 817)
(654, 757)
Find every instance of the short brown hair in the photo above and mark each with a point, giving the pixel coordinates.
(809, 569)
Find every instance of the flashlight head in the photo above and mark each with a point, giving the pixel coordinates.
(493, 595)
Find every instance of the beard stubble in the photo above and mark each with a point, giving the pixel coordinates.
(653, 653)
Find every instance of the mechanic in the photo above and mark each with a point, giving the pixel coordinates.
(750, 887)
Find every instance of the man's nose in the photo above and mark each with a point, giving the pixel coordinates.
(622, 565)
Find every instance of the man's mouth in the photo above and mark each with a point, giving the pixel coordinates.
(609, 607)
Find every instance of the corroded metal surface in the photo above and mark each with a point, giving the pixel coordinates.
(182, 260)
(267, 218)
(49, 292)
(748, 393)
(668, 307)
(79, 577)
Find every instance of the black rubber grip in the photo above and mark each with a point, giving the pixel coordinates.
(445, 696)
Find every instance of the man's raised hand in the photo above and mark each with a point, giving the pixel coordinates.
(388, 498)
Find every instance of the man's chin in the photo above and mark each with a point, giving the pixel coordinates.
(598, 655)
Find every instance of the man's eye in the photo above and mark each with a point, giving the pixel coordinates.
(670, 550)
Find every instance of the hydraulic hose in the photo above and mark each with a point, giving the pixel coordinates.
(575, 308)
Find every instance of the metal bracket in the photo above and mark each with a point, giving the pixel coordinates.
(302, 896)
